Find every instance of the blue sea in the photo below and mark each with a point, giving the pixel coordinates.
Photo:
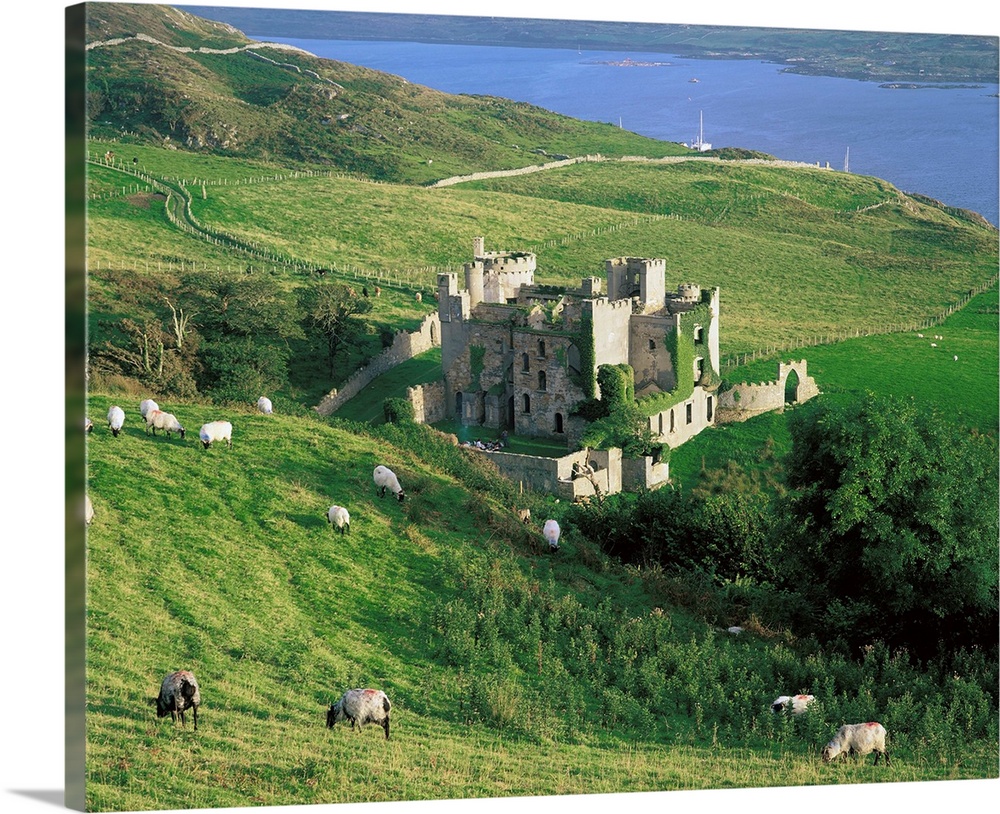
(936, 141)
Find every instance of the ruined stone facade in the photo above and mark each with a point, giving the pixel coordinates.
(746, 400)
(522, 357)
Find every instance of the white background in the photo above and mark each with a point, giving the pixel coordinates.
(32, 414)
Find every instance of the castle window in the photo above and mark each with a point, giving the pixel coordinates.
(660, 424)
(699, 369)
(541, 347)
(559, 422)
(673, 426)
(541, 379)
(527, 403)
(699, 334)
(525, 364)
(708, 408)
(652, 344)
(689, 409)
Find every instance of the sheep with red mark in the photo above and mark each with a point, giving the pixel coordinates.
(385, 478)
(796, 704)
(858, 739)
(361, 707)
(166, 422)
(179, 692)
(551, 531)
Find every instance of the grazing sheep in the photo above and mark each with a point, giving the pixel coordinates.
(385, 477)
(179, 692)
(955, 358)
(419, 297)
(551, 533)
(88, 509)
(921, 336)
(159, 420)
(524, 515)
(933, 344)
(216, 431)
(116, 418)
(264, 405)
(860, 739)
(338, 516)
(361, 707)
(378, 291)
(735, 630)
(146, 405)
(799, 703)
(88, 425)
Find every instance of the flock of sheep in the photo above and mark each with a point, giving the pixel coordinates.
(179, 690)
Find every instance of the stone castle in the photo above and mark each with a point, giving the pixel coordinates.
(522, 357)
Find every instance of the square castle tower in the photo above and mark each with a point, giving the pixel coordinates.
(523, 357)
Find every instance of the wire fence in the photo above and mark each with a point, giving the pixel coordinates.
(731, 362)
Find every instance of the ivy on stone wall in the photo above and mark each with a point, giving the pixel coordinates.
(477, 354)
(682, 349)
(588, 376)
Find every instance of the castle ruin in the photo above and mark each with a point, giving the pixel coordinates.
(522, 357)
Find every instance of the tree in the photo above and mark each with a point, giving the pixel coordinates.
(892, 524)
(333, 310)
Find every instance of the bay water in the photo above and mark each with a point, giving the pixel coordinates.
(939, 141)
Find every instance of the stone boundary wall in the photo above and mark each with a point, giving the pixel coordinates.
(428, 402)
(746, 400)
(405, 345)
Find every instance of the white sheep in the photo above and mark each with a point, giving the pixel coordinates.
(88, 509)
(361, 707)
(264, 405)
(933, 344)
(955, 358)
(860, 739)
(385, 477)
(524, 515)
(551, 533)
(216, 431)
(116, 418)
(179, 692)
(167, 422)
(339, 516)
(146, 405)
(798, 703)
(88, 425)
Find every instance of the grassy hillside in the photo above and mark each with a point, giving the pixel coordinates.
(290, 107)
(221, 561)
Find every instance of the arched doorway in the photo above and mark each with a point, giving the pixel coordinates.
(559, 423)
(792, 387)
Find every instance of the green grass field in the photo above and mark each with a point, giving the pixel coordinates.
(221, 561)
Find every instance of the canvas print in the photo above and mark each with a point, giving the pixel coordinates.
(483, 407)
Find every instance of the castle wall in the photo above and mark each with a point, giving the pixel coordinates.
(543, 391)
(686, 419)
(746, 400)
(649, 356)
(611, 331)
(428, 402)
(405, 345)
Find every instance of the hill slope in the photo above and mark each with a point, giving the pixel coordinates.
(159, 75)
(511, 673)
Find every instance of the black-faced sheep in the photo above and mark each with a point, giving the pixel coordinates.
(338, 516)
(796, 704)
(361, 707)
(216, 431)
(116, 418)
(551, 533)
(179, 692)
(88, 425)
(146, 405)
(264, 405)
(858, 739)
(386, 478)
(167, 422)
